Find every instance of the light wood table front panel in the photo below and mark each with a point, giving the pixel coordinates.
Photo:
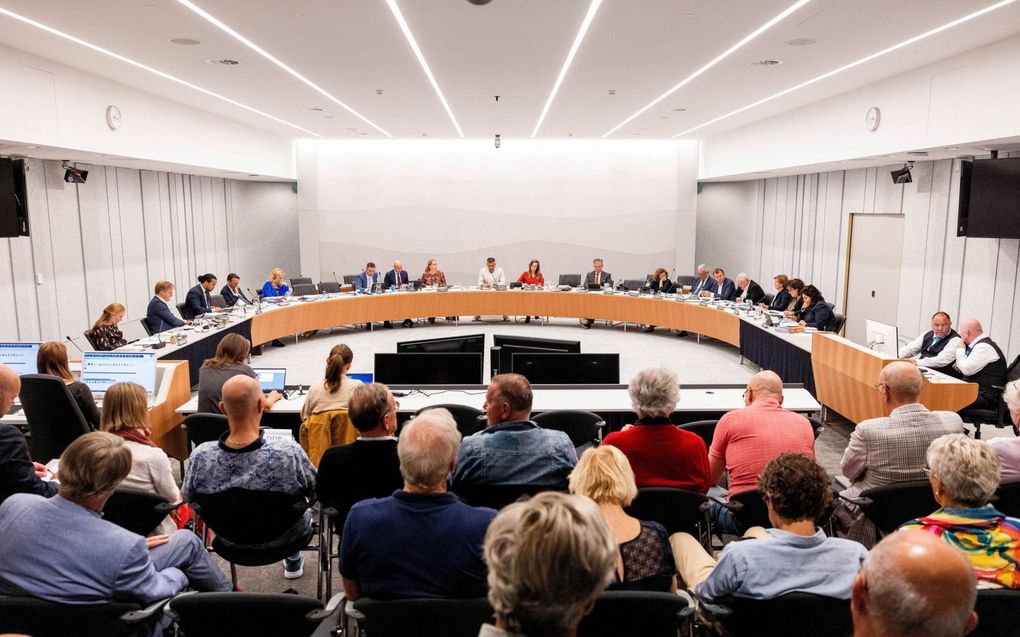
(164, 420)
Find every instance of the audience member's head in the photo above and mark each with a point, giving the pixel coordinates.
(337, 364)
(964, 472)
(764, 384)
(91, 468)
(427, 449)
(1012, 398)
(373, 409)
(899, 384)
(654, 392)
(242, 401)
(52, 360)
(795, 488)
(604, 475)
(125, 406)
(508, 398)
(970, 330)
(232, 350)
(549, 558)
(10, 387)
(912, 583)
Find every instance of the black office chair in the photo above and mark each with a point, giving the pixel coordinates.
(675, 509)
(30, 616)
(186, 314)
(204, 427)
(999, 417)
(300, 280)
(91, 339)
(998, 610)
(54, 419)
(891, 506)
(816, 616)
(137, 511)
(573, 280)
(469, 420)
(750, 509)
(349, 279)
(768, 299)
(499, 496)
(1007, 499)
(838, 323)
(816, 426)
(252, 614)
(420, 617)
(583, 427)
(631, 284)
(217, 300)
(684, 279)
(304, 289)
(645, 613)
(329, 287)
(704, 428)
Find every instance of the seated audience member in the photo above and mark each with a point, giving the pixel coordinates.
(159, 316)
(549, 559)
(891, 449)
(421, 541)
(748, 291)
(936, 348)
(199, 298)
(912, 584)
(1008, 449)
(126, 414)
(228, 362)
(18, 474)
(702, 281)
(724, 286)
(368, 467)
(275, 286)
(646, 560)
(232, 292)
(793, 289)
(532, 276)
(661, 454)
(793, 556)
(62, 550)
(597, 276)
(659, 284)
(243, 459)
(396, 279)
(781, 300)
(979, 360)
(367, 278)
(513, 450)
(964, 474)
(52, 360)
(814, 312)
(333, 391)
(105, 334)
(746, 440)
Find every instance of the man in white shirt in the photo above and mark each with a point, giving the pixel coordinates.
(935, 349)
(489, 277)
(979, 360)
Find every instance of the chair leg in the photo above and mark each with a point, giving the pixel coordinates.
(233, 575)
(977, 431)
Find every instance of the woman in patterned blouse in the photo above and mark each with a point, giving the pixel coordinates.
(433, 277)
(106, 335)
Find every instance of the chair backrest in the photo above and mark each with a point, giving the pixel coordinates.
(30, 616)
(247, 517)
(217, 300)
(998, 610)
(304, 289)
(573, 280)
(205, 427)
(752, 511)
(326, 429)
(186, 314)
(329, 287)
(137, 511)
(349, 279)
(768, 298)
(649, 614)
(685, 279)
(632, 284)
(838, 322)
(1013, 371)
(469, 420)
(815, 615)
(1008, 499)
(675, 509)
(54, 419)
(422, 617)
(248, 614)
(892, 505)
(498, 496)
(816, 426)
(704, 428)
(300, 280)
(90, 338)
(583, 427)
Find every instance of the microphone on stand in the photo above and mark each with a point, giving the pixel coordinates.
(258, 301)
(75, 344)
(159, 344)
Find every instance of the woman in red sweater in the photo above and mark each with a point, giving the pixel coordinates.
(533, 276)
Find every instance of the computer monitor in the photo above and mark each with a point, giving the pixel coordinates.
(882, 338)
(473, 343)
(501, 357)
(568, 369)
(365, 377)
(429, 369)
(545, 343)
(271, 378)
(99, 370)
(21, 357)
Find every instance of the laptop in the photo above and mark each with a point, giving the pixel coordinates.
(99, 370)
(365, 377)
(594, 286)
(271, 378)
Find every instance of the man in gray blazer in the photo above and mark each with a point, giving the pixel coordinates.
(892, 449)
(597, 276)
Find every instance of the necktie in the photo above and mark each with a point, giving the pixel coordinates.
(208, 300)
(967, 349)
(935, 341)
(598, 275)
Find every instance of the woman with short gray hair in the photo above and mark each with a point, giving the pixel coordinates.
(964, 474)
(1009, 448)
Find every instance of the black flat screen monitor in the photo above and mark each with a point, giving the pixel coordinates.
(990, 199)
(429, 369)
(503, 363)
(530, 341)
(472, 343)
(568, 369)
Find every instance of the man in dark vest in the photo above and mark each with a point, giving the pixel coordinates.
(935, 349)
(979, 360)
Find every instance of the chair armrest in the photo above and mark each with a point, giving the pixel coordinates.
(712, 611)
(330, 608)
(686, 612)
(860, 500)
(142, 614)
(731, 505)
(354, 613)
(167, 507)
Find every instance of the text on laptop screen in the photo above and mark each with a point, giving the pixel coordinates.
(99, 370)
(21, 357)
(271, 378)
(365, 377)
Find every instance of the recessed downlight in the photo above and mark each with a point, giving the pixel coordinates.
(680, 110)
(185, 41)
(223, 61)
(801, 42)
(765, 63)
(316, 109)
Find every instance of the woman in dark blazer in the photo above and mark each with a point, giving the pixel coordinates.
(782, 299)
(660, 284)
(815, 312)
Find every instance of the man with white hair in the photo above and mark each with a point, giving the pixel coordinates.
(702, 282)
(911, 584)
(749, 291)
(421, 541)
(979, 360)
(396, 278)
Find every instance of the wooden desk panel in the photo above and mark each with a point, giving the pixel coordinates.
(163, 417)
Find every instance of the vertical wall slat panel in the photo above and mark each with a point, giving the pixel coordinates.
(134, 226)
(915, 234)
(68, 260)
(113, 198)
(95, 229)
(39, 172)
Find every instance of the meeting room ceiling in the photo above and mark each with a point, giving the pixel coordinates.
(633, 52)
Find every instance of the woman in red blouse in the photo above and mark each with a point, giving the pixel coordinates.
(533, 276)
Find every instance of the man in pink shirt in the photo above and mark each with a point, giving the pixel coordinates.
(747, 439)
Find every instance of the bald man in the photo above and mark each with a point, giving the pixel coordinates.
(396, 279)
(18, 474)
(890, 449)
(912, 584)
(244, 459)
(979, 360)
(747, 439)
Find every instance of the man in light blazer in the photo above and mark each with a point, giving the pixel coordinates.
(396, 278)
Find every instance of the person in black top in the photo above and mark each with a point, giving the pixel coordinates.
(52, 360)
(794, 288)
(660, 284)
(748, 290)
(815, 312)
(368, 467)
(782, 299)
(232, 292)
(18, 474)
(198, 301)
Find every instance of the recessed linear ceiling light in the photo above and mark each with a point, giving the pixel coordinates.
(185, 41)
(139, 65)
(722, 56)
(845, 67)
(801, 42)
(588, 17)
(392, 4)
(224, 62)
(251, 45)
(765, 63)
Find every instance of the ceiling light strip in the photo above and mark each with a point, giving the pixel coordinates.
(254, 47)
(392, 4)
(592, 9)
(126, 60)
(846, 67)
(722, 56)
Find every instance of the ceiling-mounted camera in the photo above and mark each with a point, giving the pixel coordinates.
(497, 140)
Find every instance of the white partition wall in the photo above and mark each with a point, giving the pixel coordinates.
(563, 202)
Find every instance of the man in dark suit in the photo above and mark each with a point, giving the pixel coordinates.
(748, 290)
(702, 281)
(597, 276)
(18, 474)
(725, 290)
(232, 292)
(396, 278)
(158, 315)
(198, 300)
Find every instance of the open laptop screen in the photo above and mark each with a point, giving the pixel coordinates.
(99, 370)
(271, 378)
(21, 357)
(365, 377)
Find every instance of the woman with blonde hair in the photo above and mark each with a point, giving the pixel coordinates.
(106, 336)
(645, 561)
(126, 414)
(333, 391)
(433, 277)
(52, 360)
(275, 287)
(225, 364)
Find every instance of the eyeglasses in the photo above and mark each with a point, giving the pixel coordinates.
(744, 395)
(927, 471)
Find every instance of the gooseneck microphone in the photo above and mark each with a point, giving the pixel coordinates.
(75, 344)
(159, 344)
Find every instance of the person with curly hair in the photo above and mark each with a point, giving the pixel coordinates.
(794, 555)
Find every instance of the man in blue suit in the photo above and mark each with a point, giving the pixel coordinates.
(725, 288)
(199, 299)
(62, 550)
(396, 278)
(158, 315)
(368, 278)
